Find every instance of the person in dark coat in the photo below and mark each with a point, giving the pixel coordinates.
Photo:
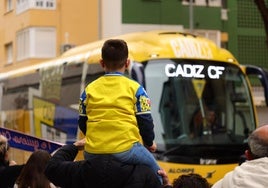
(100, 172)
(9, 170)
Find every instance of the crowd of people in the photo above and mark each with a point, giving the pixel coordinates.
(60, 170)
(122, 159)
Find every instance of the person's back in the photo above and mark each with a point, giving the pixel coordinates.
(112, 114)
(100, 172)
(32, 175)
(254, 171)
(192, 180)
(115, 104)
(249, 174)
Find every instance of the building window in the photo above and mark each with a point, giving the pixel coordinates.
(24, 5)
(9, 53)
(36, 42)
(210, 3)
(213, 35)
(23, 44)
(200, 2)
(214, 3)
(9, 6)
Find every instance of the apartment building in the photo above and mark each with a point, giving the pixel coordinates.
(33, 31)
(233, 24)
(36, 30)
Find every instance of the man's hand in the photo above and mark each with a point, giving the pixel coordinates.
(166, 182)
(11, 163)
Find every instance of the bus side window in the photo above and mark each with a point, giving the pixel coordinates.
(169, 112)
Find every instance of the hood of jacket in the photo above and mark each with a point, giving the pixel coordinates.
(249, 174)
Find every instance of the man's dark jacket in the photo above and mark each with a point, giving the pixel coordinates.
(101, 172)
(9, 174)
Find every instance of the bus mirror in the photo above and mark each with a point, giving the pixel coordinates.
(136, 72)
(262, 75)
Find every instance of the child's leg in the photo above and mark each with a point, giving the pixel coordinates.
(90, 156)
(138, 154)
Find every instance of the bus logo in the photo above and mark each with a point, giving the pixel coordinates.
(193, 71)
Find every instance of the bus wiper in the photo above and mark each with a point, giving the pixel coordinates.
(231, 135)
(167, 152)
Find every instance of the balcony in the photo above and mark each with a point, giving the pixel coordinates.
(24, 5)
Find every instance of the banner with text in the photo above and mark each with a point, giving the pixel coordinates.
(26, 142)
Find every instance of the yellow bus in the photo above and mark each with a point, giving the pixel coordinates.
(202, 103)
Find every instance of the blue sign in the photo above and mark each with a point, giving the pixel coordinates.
(29, 143)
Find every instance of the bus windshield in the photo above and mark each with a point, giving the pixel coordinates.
(199, 106)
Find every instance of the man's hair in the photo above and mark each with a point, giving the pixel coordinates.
(114, 53)
(3, 148)
(257, 146)
(191, 180)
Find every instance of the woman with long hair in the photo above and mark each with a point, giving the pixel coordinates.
(32, 175)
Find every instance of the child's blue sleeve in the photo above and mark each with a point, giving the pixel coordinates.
(82, 120)
(143, 104)
(144, 118)
(82, 106)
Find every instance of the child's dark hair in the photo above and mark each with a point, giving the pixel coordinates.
(114, 53)
(191, 180)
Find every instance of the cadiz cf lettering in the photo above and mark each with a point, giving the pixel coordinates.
(194, 71)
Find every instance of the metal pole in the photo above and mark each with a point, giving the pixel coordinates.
(1, 94)
(100, 19)
(191, 16)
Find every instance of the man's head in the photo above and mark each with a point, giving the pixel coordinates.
(3, 148)
(114, 54)
(258, 143)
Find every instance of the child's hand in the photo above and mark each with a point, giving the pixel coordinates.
(152, 148)
(80, 144)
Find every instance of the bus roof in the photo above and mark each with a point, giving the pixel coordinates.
(143, 46)
(148, 45)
